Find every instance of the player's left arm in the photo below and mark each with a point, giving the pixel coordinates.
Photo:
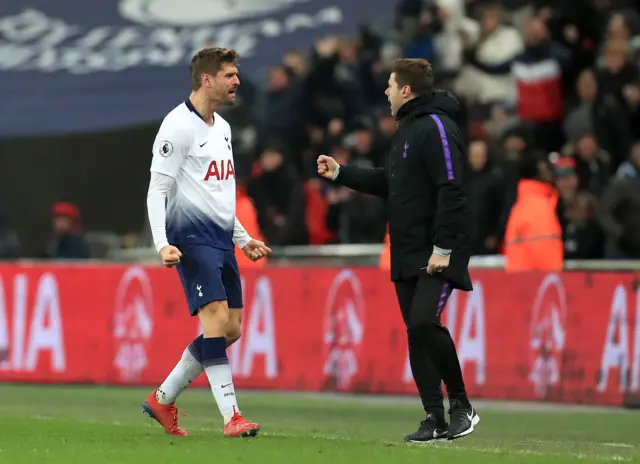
(240, 236)
(444, 160)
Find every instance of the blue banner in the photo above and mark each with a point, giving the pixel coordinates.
(69, 66)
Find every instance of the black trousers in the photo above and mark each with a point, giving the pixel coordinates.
(432, 352)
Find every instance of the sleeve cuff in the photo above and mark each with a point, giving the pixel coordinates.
(160, 245)
(441, 251)
(335, 174)
(243, 242)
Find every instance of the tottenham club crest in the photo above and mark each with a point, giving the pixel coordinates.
(166, 148)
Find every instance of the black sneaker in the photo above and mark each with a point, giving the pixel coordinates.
(463, 420)
(429, 430)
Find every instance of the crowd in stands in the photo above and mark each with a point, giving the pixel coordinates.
(557, 79)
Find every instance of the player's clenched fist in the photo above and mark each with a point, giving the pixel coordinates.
(256, 250)
(170, 255)
(327, 166)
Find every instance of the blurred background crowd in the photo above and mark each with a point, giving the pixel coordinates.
(552, 79)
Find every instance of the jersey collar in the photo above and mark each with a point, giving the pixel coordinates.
(194, 110)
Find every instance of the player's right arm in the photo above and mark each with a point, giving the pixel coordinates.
(372, 181)
(170, 150)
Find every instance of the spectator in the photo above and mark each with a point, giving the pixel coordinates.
(502, 120)
(567, 183)
(246, 214)
(316, 209)
(619, 212)
(538, 71)
(582, 235)
(576, 26)
(68, 240)
(323, 93)
(620, 27)
(449, 43)
(278, 194)
(9, 241)
(354, 217)
(490, 49)
(282, 97)
(631, 169)
(598, 114)
(428, 22)
(296, 65)
(515, 149)
(617, 74)
(387, 128)
(485, 200)
(592, 164)
(361, 142)
(533, 240)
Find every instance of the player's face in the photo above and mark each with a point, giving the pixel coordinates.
(224, 85)
(395, 94)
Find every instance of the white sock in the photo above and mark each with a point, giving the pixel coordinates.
(186, 371)
(221, 382)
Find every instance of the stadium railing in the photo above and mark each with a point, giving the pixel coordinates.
(367, 255)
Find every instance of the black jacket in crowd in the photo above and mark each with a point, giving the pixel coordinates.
(422, 184)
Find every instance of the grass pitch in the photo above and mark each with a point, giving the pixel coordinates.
(94, 425)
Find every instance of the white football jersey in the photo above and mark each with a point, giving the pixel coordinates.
(201, 205)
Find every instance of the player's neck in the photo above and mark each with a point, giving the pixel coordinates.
(204, 106)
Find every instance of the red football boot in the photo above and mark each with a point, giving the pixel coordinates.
(238, 426)
(165, 414)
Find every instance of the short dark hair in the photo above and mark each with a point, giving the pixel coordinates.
(417, 73)
(210, 61)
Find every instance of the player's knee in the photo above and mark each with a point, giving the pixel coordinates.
(233, 333)
(234, 330)
(214, 318)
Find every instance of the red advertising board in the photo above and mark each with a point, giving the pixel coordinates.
(572, 337)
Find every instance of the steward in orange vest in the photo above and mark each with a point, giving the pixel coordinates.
(246, 214)
(533, 239)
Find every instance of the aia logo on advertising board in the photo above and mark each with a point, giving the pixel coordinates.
(548, 322)
(343, 328)
(132, 324)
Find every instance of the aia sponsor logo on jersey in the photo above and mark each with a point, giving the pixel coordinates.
(220, 170)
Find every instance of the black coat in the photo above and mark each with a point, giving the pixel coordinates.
(423, 186)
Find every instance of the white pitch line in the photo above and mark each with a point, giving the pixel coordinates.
(555, 442)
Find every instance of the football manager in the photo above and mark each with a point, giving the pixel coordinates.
(422, 184)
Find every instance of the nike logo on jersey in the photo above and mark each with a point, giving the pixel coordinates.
(226, 139)
(225, 386)
(203, 144)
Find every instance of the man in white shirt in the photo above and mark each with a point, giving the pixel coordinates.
(193, 174)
